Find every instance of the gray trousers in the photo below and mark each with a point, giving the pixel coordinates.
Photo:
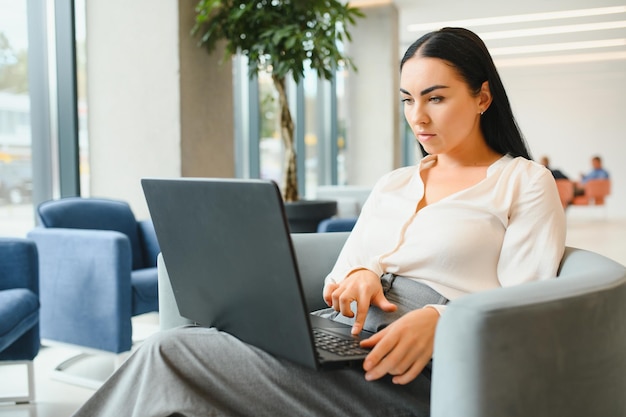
(197, 371)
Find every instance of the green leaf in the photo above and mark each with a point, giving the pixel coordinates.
(287, 33)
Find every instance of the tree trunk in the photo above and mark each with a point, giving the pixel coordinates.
(290, 176)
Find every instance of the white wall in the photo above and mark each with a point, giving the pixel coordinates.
(373, 138)
(572, 112)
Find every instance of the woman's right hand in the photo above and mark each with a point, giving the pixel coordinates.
(362, 286)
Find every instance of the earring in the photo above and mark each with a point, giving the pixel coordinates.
(482, 112)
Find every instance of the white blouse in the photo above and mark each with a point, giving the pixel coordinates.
(506, 230)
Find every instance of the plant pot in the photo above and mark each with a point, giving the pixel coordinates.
(304, 215)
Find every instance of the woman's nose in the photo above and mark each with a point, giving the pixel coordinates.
(416, 115)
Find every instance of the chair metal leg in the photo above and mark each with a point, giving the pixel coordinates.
(85, 375)
(30, 394)
(61, 373)
(88, 368)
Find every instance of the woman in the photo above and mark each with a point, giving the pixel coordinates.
(474, 214)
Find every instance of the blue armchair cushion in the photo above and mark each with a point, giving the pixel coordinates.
(97, 214)
(19, 312)
(336, 224)
(144, 284)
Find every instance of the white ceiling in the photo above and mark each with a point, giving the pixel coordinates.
(516, 32)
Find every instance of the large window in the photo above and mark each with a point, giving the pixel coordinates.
(15, 132)
(271, 149)
(81, 91)
(43, 111)
(317, 109)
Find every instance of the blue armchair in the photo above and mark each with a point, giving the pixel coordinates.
(19, 309)
(336, 224)
(97, 270)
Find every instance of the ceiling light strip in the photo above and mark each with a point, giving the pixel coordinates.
(553, 47)
(369, 3)
(563, 59)
(552, 30)
(531, 17)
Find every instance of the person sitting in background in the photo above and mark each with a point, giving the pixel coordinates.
(597, 173)
(557, 174)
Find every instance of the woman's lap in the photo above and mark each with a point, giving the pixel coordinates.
(197, 371)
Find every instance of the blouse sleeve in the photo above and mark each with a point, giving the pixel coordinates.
(534, 240)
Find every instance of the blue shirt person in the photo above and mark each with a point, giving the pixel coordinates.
(597, 173)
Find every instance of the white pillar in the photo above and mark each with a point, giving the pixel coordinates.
(373, 142)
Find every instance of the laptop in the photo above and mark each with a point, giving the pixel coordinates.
(232, 266)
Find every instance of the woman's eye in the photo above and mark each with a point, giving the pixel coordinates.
(406, 100)
(435, 99)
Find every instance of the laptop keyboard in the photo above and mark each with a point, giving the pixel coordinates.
(336, 344)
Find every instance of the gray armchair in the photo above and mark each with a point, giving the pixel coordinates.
(544, 349)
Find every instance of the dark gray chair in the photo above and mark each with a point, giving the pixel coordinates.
(542, 349)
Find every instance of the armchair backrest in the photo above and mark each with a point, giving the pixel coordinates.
(316, 254)
(95, 214)
(19, 269)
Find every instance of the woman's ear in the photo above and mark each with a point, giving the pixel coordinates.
(484, 97)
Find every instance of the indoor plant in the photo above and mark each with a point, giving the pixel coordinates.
(281, 37)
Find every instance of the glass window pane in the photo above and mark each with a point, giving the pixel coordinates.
(342, 126)
(16, 213)
(271, 146)
(81, 81)
(312, 132)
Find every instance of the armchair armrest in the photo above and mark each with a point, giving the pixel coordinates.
(93, 266)
(540, 349)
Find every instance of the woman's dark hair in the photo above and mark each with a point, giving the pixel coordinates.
(467, 53)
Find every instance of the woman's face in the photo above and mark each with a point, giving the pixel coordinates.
(439, 106)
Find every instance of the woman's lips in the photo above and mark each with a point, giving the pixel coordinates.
(424, 137)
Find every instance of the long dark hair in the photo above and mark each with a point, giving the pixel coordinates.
(467, 53)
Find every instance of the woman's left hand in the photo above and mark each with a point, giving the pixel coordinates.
(403, 348)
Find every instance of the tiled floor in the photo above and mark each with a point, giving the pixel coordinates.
(587, 229)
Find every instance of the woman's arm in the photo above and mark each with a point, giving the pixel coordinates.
(535, 236)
